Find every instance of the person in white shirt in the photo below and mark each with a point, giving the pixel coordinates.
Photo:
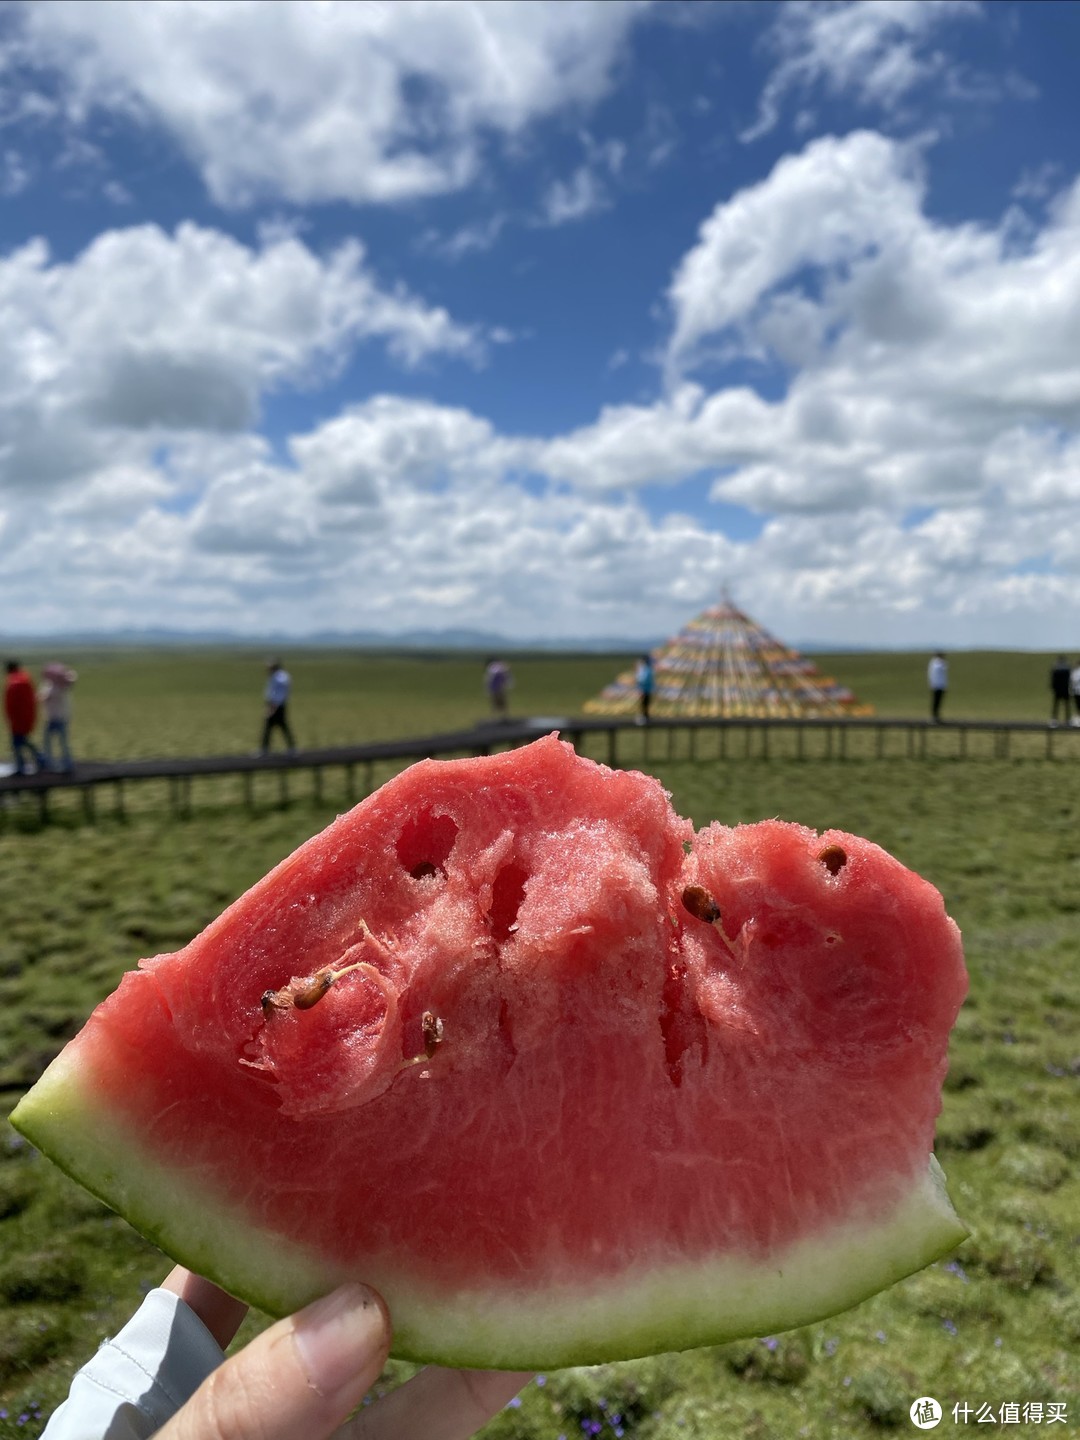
(55, 696)
(937, 676)
(278, 688)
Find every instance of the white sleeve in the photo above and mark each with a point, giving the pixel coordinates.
(138, 1381)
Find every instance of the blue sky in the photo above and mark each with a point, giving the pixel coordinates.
(549, 319)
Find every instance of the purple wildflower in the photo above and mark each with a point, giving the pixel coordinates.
(831, 1346)
(949, 1325)
(880, 1336)
(955, 1268)
(514, 1404)
(770, 1342)
(541, 1380)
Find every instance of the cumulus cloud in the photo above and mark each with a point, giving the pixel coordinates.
(920, 467)
(876, 51)
(334, 101)
(837, 199)
(146, 331)
(920, 346)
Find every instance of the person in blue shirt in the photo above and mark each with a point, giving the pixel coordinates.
(278, 688)
(645, 679)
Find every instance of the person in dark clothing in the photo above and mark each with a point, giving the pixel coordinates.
(1060, 678)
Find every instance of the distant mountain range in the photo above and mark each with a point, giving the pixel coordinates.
(468, 640)
(462, 639)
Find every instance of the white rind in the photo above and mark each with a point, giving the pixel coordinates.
(663, 1306)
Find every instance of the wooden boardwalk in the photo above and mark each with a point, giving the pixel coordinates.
(663, 739)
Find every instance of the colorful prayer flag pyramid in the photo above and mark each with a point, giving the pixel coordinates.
(723, 665)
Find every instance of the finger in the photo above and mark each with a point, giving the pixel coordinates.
(438, 1404)
(219, 1312)
(302, 1376)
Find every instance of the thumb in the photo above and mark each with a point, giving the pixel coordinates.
(302, 1376)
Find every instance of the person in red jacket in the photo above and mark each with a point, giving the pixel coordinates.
(20, 706)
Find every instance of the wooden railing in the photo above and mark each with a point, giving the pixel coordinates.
(661, 740)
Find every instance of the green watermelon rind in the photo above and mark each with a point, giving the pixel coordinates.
(677, 1306)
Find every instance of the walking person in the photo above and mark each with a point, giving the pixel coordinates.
(1060, 686)
(55, 696)
(20, 707)
(645, 679)
(278, 689)
(937, 677)
(1075, 685)
(497, 682)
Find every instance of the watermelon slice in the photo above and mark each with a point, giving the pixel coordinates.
(564, 1080)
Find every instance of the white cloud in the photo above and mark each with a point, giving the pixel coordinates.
(573, 199)
(14, 173)
(387, 445)
(835, 200)
(876, 51)
(917, 479)
(471, 239)
(146, 331)
(315, 102)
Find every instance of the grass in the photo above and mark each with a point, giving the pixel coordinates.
(1000, 1322)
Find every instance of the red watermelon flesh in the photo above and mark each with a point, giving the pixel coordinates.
(551, 1109)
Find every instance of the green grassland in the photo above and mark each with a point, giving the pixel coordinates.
(999, 1324)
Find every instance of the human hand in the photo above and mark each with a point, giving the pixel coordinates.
(305, 1375)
